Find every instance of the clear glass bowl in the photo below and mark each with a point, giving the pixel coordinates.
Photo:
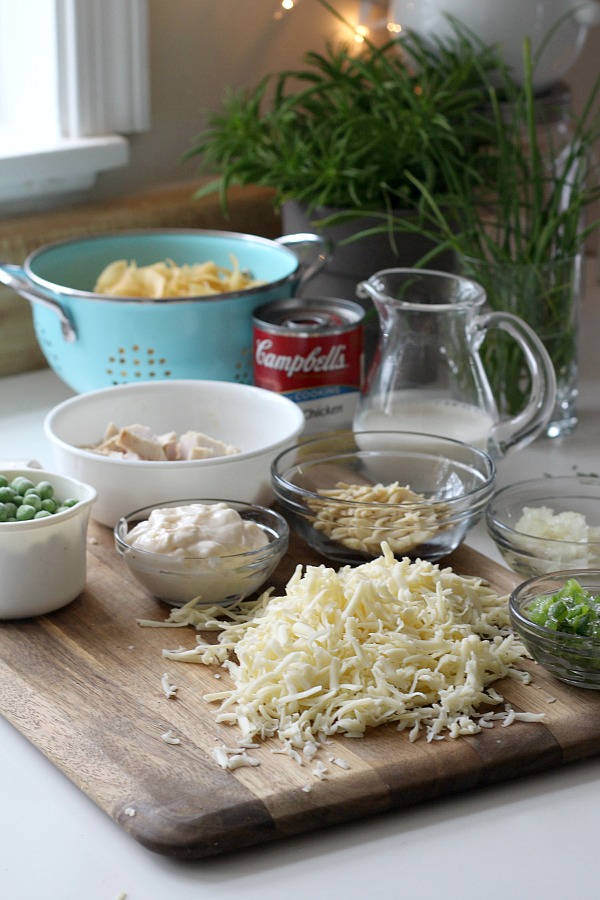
(572, 658)
(453, 483)
(216, 580)
(531, 555)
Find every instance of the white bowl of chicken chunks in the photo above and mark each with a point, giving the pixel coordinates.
(144, 443)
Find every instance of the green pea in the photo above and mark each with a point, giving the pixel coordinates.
(45, 490)
(21, 484)
(21, 500)
(25, 512)
(32, 499)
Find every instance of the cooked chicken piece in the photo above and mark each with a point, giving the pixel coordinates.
(196, 445)
(141, 440)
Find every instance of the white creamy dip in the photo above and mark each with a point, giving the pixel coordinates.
(197, 530)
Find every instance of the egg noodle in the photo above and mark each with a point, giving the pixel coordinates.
(163, 280)
(389, 641)
(366, 514)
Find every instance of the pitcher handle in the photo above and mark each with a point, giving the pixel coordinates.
(312, 250)
(16, 279)
(522, 429)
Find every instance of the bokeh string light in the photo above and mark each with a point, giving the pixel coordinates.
(372, 16)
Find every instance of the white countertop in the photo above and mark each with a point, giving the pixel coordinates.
(532, 839)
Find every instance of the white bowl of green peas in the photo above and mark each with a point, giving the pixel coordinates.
(43, 531)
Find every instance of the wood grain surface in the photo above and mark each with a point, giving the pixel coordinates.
(84, 686)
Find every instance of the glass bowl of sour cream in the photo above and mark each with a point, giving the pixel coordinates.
(213, 552)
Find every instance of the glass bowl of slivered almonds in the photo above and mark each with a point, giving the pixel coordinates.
(345, 493)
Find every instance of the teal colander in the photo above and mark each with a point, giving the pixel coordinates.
(94, 341)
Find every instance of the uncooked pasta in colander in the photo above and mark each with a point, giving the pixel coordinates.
(163, 280)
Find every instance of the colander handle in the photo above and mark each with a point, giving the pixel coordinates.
(15, 278)
(312, 251)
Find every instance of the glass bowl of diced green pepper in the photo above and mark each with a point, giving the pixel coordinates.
(557, 617)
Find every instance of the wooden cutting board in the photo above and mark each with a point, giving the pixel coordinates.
(84, 686)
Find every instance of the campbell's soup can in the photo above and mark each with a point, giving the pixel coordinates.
(311, 350)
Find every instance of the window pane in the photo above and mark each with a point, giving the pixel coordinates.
(28, 69)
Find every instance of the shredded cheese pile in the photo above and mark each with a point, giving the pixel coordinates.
(340, 652)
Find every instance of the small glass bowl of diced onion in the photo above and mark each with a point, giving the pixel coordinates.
(549, 523)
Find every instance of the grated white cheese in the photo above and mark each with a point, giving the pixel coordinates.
(513, 716)
(340, 652)
(233, 758)
(170, 690)
(320, 771)
(208, 618)
(169, 738)
(288, 750)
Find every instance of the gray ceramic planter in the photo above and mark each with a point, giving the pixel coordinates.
(357, 260)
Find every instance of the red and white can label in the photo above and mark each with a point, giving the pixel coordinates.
(312, 352)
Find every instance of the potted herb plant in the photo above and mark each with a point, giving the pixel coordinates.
(514, 215)
(343, 132)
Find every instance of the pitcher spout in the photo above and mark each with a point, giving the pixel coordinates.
(372, 289)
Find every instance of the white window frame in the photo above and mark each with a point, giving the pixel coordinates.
(70, 90)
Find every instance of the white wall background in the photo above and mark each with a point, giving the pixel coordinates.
(199, 48)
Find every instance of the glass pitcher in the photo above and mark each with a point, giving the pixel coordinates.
(427, 374)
